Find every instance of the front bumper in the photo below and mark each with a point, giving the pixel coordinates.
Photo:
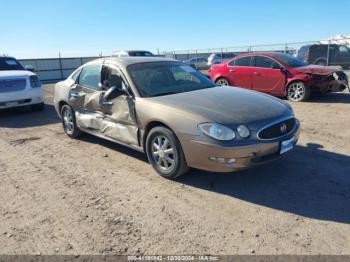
(328, 84)
(200, 154)
(26, 97)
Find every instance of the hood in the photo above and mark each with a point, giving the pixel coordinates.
(317, 70)
(229, 106)
(15, 73)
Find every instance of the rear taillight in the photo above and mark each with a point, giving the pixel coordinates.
(35, 82)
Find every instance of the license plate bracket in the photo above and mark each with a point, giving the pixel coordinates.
(287, 145)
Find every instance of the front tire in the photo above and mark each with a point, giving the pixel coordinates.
(165, 154)
(222, 82)
(69, 122)
(298, 92)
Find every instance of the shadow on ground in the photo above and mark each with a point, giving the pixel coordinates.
(114, 146)
(309, 182)
(24, 117)
(333, 98)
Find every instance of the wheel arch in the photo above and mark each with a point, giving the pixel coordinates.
(320, 59)
(60, 105)
(222, 76)
(149, 127)
(291, 81)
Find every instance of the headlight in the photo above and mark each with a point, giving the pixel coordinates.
(243, 131)
(34, 81)
(217, 131)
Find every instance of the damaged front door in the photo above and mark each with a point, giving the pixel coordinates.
(119, 120)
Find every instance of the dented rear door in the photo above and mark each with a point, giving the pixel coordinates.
(84, 97)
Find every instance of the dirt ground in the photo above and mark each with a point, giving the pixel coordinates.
(90, 196)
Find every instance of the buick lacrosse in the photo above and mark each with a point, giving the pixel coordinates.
(175, 114)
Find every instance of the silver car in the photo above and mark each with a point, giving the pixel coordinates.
(199, 63)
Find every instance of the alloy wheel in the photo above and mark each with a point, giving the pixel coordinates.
(222, 82)
(296, 92)
(163, 153)
(68, 121)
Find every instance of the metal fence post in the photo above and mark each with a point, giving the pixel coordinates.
(329, 42)
(60, 61)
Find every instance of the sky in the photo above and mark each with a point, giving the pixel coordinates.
(44, 28)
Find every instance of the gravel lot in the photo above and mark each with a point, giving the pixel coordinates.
(90, 196)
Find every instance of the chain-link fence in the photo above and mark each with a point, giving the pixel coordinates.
(335, 51)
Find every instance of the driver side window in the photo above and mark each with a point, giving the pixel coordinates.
(112, 77)
(264, 62)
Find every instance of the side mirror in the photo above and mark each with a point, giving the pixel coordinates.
(104, 85)
(112, 93)
(29, 68)
(283, 70)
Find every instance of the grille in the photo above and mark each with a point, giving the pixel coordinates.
(12, 85)
(277, 130)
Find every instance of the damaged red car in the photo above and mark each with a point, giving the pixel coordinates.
(278, 74)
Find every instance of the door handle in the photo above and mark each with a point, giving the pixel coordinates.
(232, 70)
(75, 95)
(257, 73)
(106, 103)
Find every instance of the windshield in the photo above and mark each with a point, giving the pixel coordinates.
(165, 78)
(140, 53)
(9, 63)
(290, 61)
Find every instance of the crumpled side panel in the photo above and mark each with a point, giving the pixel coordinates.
(124, 133)
(121, 109)
(92, 101)
(88, 121)
(118, 123)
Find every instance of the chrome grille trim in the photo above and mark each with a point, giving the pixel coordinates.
(274, 123)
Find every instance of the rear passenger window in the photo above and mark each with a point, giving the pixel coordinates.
(90, 77)
(243, 61)
(265, 62)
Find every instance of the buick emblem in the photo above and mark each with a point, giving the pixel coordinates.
(283, 128)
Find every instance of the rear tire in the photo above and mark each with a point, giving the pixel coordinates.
(222, 82)
(69, 122)
(38, 107)
(165, 154)
(298, 92)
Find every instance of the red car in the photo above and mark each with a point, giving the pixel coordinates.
(278, 74)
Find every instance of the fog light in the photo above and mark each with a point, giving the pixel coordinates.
(243, 131)
(225, 161)
(231, 161)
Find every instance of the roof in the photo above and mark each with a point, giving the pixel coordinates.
(271, 54)
(126, 61)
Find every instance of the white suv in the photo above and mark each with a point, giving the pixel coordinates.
(19, 87)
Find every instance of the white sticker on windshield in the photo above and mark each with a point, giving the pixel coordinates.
(11, 62)
(188, 69)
